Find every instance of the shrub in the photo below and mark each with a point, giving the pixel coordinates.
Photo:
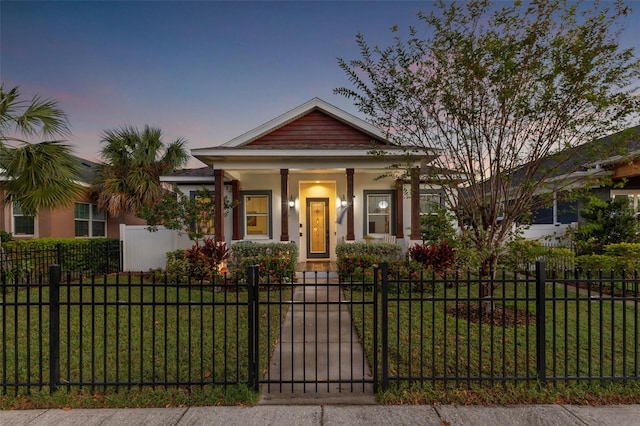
(628, 250)
(276, 260)
(347, 254)
(559, 259)
(205, 260)
(438, 257)
(438, 227)
(177, 264)
(357, 267)
(596, 262)
(522, 254)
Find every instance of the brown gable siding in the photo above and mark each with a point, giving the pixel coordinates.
(313, 129)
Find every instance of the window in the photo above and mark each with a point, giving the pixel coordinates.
(379, 212)
(89, 221)
(204, 221)
(22, 224)
(554, 213)
(633, 198)
(257, 218)
(430, 202)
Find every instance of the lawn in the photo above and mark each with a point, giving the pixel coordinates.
(139, 337)
(433, 348)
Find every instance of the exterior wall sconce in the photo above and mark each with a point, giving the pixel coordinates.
(343, 201)
(292, 202)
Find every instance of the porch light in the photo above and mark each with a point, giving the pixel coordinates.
(343, 201)
(383, 204)
(292, 202)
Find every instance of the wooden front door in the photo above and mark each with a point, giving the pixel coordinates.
(318, 228)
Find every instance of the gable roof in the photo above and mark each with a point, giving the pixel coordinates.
(586, 162)
(308, 107)
(315, 135)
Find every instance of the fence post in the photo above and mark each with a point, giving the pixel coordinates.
(541, 348)
(385, 327)
(376, 282)
(59, 253)
(252, 289)
(54, 327)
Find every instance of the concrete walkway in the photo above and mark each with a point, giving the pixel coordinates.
(318, 358)
(325, 415)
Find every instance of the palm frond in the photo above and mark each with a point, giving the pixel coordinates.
(42, 175)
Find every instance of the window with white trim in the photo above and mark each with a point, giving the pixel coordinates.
(378, 212)
(22, 224)
(89, 221)
(430, 202)
(257, 216)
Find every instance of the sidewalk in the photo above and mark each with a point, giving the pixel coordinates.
(326, 415)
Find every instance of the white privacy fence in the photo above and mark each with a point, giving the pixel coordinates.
(143, 250)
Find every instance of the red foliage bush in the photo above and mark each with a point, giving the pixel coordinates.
(437, 257)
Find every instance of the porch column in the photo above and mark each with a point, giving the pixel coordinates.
(235, 195)
(284, 204)
(350, 234)
(218, 197)
(415, 205)
(399, 209)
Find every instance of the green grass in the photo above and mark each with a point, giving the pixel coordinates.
(590, 338)
(138, 335)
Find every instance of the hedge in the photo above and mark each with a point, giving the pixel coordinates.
(277, 261)
(95, 255)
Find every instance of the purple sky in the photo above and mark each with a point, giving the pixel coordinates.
(204, 70)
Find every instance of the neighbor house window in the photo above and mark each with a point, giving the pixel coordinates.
(89, 221)
(204, 221)
(632, 197)
(257, 217)
(22, 224)
(556, 212)
(379, 212)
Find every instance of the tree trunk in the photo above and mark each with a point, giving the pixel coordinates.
(487, 273)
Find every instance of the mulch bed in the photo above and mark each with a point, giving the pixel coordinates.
(501, 316)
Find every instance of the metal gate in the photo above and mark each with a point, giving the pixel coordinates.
(317, 348)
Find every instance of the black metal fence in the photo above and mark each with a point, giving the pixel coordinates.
(131, 330)
(568, 328)
(27, 262)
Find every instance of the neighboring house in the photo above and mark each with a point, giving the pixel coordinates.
(78, 220)
(309, 177)
(602, 166)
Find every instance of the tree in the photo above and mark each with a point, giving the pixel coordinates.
(134, 161)
(494, 92)
(190, 215)
(606, 222)
(41, 174)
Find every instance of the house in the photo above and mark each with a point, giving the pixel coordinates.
(609, 167)
(309, 177)
(78, 220)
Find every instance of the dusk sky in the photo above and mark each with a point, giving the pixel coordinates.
(206, 71)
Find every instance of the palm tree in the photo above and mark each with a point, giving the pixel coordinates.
(42, 174)
(134, 160)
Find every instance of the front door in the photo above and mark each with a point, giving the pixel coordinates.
(318, 228)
